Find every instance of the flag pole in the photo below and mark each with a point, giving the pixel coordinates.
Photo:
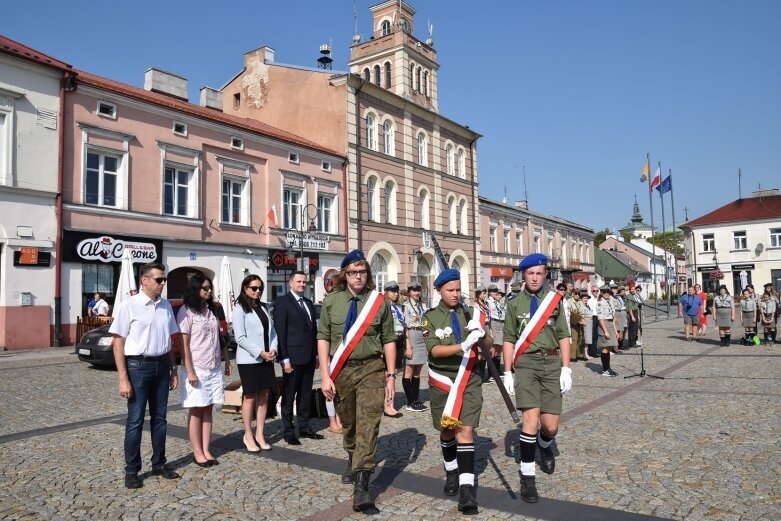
(675, 230)
(664, 238)
(653, 239)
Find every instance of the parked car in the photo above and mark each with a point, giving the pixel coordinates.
(96, 346)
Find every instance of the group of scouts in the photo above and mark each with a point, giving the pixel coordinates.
(757, 312)
(357, 347)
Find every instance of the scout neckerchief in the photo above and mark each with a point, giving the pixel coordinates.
(454, 388)
(536, 323)
(355, 333)
(397, 311)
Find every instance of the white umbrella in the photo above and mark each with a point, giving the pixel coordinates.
(225, 288)
(127, 283)
(743, 279)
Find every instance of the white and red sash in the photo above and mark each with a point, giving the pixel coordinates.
(373, 302)
(536, 323)
(455, 389)
(480, 315)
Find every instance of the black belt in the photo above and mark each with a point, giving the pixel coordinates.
(415, 328)
(356, 363)
(551, 352)
(145, 358)
(497, 319)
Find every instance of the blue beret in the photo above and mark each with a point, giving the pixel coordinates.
(446, 276)
(535, 259)
(353, 256)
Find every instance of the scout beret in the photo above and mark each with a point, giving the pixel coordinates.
(613, 285)
(353, 256)
(479, 289)
(604, 289)
(723, 286)
(584, 293)
(391, 284)
(414, 285)
(535, 259)
(768, 285)
(621, 288)
(446, 276)
(493, 287)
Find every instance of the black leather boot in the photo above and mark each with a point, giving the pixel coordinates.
(361, 498)
(528, 489)
(349, 476)
(451, 482)
(466, 500)
(547, 460)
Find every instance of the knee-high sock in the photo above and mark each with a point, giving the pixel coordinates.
(605, 361)
(415, 388)
(466, 463)
(528, 448)
(449, 453)
(544, 439)
(406, 383)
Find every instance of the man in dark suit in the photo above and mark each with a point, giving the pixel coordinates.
(296, 326)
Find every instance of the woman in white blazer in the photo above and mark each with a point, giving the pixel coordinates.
(255, 356)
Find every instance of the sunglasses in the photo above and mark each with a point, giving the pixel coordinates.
(253, 288)
(206, 288)
(159, 280)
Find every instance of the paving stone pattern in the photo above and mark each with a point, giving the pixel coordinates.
(701, 444)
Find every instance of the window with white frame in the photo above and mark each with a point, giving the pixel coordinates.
(390, 202)
(708, 242)
(411, 76)
(550, 246)
(387, 75)
(385, 27)
(101, 179)
(107, 110)
(237, 143)
(775, 237)
(424, 209)
(234, 200)
(5, 123)
(507, 240)
(379, 267)
(417, 79)
(537, 244)
(291, 207)
(180, 129)
(425, 84)
(176, 191)
(371, 132)
(449, 159)
(461, 163)
(739, 240)
(518, 244)
(462, 216)
(492, 239)
(388, 137)
(451, 214)
(377, 79)
(371, 198)
(326, 220)
(422, 149)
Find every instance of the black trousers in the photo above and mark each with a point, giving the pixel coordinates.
(594, 351)
(297, 386)
(632, 326)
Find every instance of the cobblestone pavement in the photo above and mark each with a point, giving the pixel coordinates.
(701, 444)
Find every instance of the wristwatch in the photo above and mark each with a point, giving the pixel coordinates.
(390, 375)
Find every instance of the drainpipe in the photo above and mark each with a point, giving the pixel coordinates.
(357, 163)
(475, 202)
(66, 83)
(345, 196)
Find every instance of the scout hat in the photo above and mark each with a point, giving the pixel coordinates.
(446, 276)
(353, 256)
(535, 259)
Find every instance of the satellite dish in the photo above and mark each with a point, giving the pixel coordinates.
(759, 249)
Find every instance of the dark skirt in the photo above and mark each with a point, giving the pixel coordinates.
(256, 377)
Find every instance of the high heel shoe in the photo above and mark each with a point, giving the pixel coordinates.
(250, 449)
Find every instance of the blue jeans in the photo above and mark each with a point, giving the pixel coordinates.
(150, 379)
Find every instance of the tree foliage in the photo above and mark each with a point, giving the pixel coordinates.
(671, 241)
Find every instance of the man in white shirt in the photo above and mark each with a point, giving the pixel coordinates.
(100, 309)
(142, 329)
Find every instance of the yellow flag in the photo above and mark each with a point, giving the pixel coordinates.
(646, 171)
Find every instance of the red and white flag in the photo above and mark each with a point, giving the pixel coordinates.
(271, 217)
(656, 179)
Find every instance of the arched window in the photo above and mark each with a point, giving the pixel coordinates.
(411, 76)
(371, 137)
(386, 28)
(379, 268)
(371, 191)
(462, 216)
(387, 137)
(417, 79)
(449, 159)
(367, 75)
(451, 214)
(422, 149)
(390, 202)
(387, 75)
(377, 75)
(424, 209)
(461, 164)
(425, 84)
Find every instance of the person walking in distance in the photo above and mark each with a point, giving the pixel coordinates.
(357, 346)
(146, 365)
(294, 322)
(537, 349)
(414, 349)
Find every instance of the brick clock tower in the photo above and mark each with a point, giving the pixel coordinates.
(394, 59)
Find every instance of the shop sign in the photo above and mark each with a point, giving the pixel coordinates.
(738, 267)
(92, 247)
(312, 241)
(282, 260)
(328, 280)
(32, 257)
(706, 268)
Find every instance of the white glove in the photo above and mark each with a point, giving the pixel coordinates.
(565, 380)
(472, 339)
(474, 324)
(509, 383)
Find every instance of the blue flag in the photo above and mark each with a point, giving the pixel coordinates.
(665, 185)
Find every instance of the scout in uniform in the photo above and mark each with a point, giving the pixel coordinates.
(536, 346)
(607, 335)
(577, 321)
(724, 311)
(619, 314)
(415, 352)
(356, 344)
(632, 317)
(456, 397)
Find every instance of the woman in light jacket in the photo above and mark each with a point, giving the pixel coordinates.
(255, 355)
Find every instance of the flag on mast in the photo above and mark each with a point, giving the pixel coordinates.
(656, 179)
(665, 186)
(271, 217)
(646, 171)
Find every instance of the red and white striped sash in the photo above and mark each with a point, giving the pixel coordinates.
(536, 324)
(481, 315)
(355, 334)
(455, 389)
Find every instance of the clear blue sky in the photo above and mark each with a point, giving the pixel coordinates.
(577, 91)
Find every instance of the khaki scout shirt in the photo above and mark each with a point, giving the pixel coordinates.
(334, 315)
(605, 309)
(438, 318)
(413, 313)
(518, 316)
(631, 304)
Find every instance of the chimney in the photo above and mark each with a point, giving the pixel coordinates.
(162, 82)
(264, 54)
(522, 205)
(211, 98)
